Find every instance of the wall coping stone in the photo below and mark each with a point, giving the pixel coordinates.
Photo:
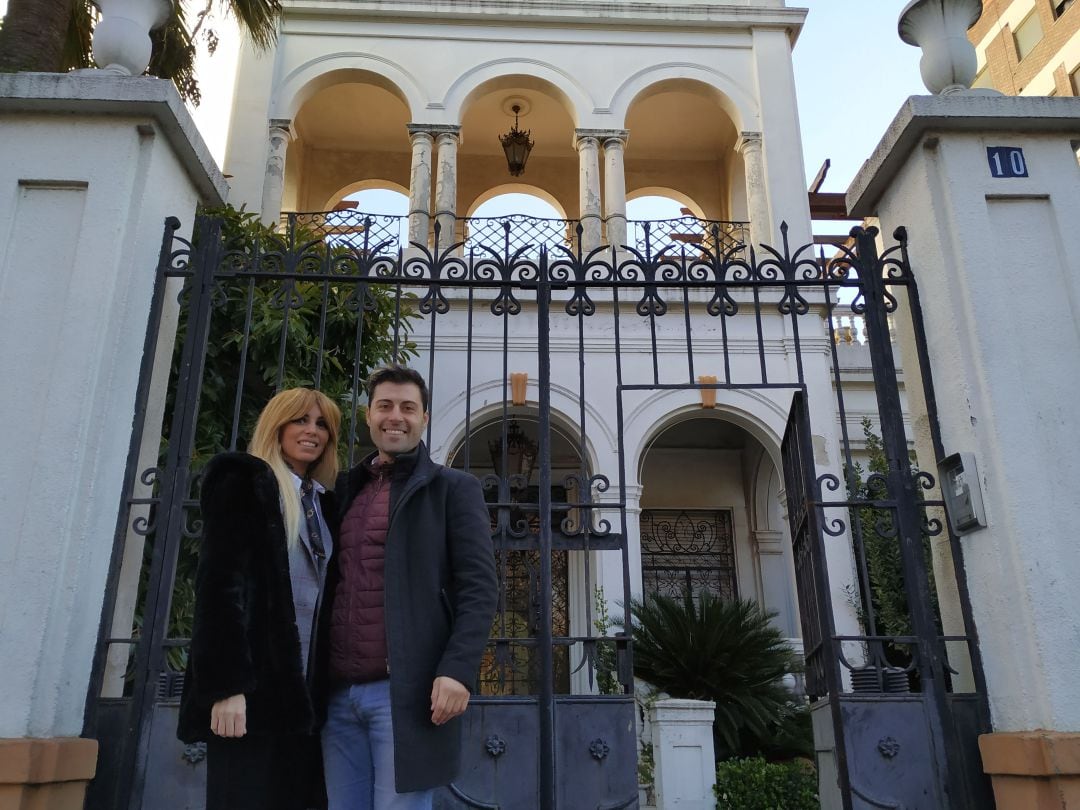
(96, 93)
(955, 113)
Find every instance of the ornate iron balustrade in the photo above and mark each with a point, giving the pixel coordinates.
(687, 233)
(374, 234)
(385, 234)
(517, 232)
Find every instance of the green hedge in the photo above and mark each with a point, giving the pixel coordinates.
(755, 784)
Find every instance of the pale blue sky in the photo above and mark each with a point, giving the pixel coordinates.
(852, 73)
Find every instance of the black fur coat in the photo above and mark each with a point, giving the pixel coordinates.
(244, 638)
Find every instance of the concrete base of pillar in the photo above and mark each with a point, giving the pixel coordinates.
(46, 774)
(1033, 770)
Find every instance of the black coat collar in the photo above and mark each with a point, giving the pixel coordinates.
(411, 470)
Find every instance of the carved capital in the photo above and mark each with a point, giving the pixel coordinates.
(748, 141)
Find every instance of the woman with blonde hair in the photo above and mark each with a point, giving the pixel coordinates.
(258, 589)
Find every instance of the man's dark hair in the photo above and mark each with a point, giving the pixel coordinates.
(400, 375)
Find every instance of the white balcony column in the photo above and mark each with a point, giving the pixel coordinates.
(615, 187)
(757, 194)
(447, 139)
(274, 182)
(587, 143)
(420, 183)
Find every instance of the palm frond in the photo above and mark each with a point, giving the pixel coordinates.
(76, 53)
(258, 17)
(174, 56)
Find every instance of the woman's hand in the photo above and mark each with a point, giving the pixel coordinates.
(228, 717)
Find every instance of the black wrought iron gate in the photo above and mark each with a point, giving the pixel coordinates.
(538, 356)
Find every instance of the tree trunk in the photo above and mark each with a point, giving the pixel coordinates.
(33, 34)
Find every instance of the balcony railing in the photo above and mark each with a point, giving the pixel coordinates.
(382, 234)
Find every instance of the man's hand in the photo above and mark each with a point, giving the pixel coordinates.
(228, 717)
(448, 699)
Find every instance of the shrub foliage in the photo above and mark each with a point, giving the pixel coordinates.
(725, 651)
(755, 784)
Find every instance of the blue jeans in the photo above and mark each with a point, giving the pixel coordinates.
(358, 752)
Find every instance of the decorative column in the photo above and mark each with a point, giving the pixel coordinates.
(97, 225)
(420, 184)
(615, 187)
(587, 143)
(757, 195)
(447, 140)
(274, 181)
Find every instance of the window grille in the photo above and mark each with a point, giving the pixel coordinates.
(688, 551)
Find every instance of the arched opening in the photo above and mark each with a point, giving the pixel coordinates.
(503, 456)
(710, 517)
(545, 111)
(349, 134)
(683, 138)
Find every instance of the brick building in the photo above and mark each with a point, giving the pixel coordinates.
(1029, 47)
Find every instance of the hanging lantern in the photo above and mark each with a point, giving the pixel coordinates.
(517, 146)
(521, 453)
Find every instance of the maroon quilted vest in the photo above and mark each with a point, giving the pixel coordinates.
(357, 629)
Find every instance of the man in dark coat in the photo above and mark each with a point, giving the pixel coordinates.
(411, 593)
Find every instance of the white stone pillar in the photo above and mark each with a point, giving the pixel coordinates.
(447, 140)
(587, 143)
(757, 193)
(420, 184)
(79, 329)
(274, 181)
(685, 767)
(994, 249)
(615, 187)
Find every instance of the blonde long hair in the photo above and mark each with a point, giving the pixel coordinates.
(283, 407)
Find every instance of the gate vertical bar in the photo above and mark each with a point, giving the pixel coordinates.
(149, 656)
(544, 638)
(146, 370)
(956, 780)
(901, 483)
(815, 601)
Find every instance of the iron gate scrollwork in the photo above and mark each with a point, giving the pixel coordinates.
(599, 335)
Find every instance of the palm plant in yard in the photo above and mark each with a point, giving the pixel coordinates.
(704, 648)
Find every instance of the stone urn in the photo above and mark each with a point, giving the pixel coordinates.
(940, 28)
(122, 38)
